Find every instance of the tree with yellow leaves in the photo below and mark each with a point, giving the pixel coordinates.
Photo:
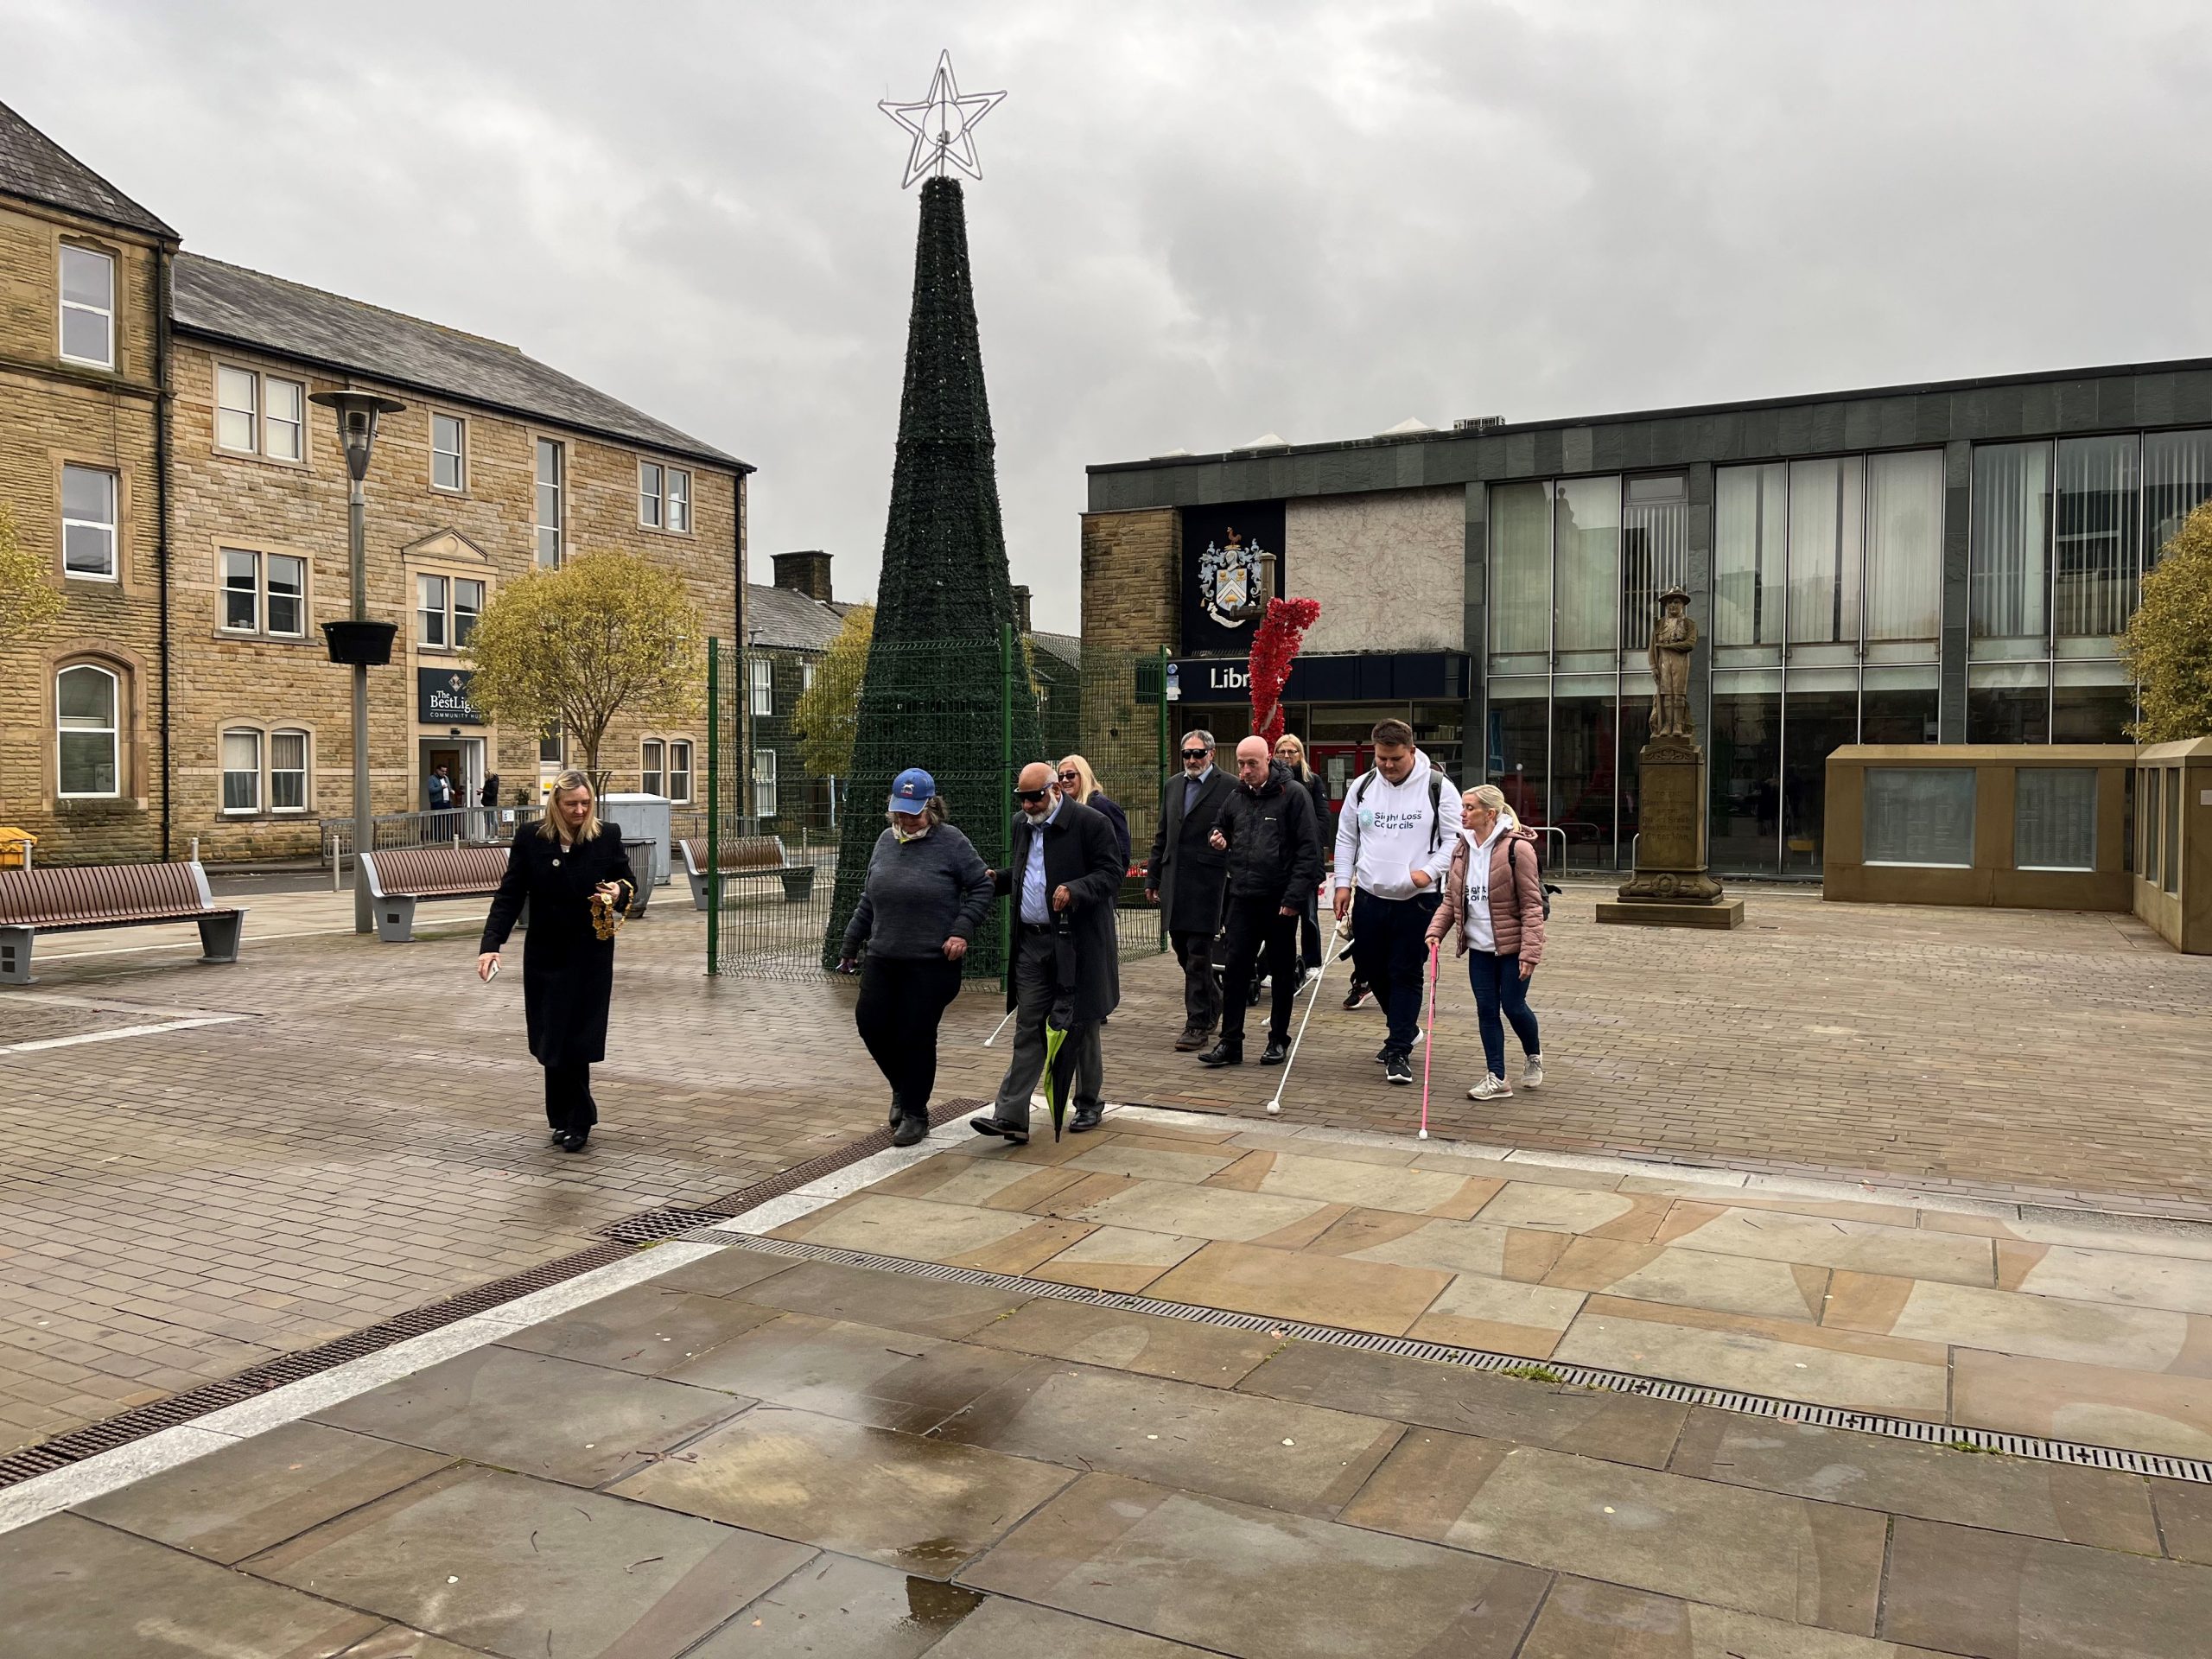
(2167, 644)
(28, 600)
(605, 634)
(829, 709)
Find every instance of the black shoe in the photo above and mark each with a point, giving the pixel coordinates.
(1018, 1133)
(1399, 1068)
(897, 1112)
(1382, 1054)
(910, 1129)
(558, 1136)
(1224, 1053)
(1086, 1117)
(1278, 1052)
(1357, 994)
(574, 1142)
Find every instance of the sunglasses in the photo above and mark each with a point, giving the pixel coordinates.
(1195, 754)
(1071, 777)
(1031, 794)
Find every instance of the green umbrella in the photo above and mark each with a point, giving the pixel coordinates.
(1056, 1094)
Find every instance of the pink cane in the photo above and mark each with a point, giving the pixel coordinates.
(1428, 1049)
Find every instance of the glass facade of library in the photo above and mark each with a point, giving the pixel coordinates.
(1824, 624)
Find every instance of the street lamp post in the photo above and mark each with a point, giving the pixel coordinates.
(359, 642)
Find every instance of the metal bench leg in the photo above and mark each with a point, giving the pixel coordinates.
(219, 936)
(394, 919)
(798, 885)
(16, 955)
(698, 891)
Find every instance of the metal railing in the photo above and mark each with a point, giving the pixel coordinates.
(473, 826)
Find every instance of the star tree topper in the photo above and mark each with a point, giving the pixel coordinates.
(943, 125)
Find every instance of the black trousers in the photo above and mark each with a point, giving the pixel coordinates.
(1258, 926)
(1201, 990)
(1390, 950)
(570, 1109)
(1311, 939)
(902, 1001)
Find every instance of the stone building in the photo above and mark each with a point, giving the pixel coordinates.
(789, 627)
(156, 436)
(498, 465)
(83, 348)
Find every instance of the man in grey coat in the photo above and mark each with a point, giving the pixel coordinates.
(1185, 876)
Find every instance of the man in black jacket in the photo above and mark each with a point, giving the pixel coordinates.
(1063, 879)
(1184, 876)
(1267, 829)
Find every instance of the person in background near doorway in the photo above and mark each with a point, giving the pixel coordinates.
(1266, 827)
(557, 866)
(1394, 834)
(1064, 878)
(439, 795)
(1185, 877)
(1291, 754)
(1080, 783)
(927, 894)
(488, 798)
(1493, 906)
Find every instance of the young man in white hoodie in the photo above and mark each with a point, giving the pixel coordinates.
(1394, 844)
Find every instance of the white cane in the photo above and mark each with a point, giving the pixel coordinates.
(1275, 1106)
(993, 1037)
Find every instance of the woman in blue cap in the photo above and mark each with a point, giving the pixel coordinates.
(927, 894)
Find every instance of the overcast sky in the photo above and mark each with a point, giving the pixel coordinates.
(1197, 224)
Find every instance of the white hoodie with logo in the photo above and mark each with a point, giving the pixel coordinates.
(1384, 837)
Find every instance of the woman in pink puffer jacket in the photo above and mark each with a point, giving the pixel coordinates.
(1494, 901)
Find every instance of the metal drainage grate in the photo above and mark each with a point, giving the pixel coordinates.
(650, 1227)
(1588, 1377)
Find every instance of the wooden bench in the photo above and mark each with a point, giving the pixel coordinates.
(745, 858)
(400, 877)
(66, 899)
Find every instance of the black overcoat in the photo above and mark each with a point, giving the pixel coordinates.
(1082, 855)
(1187, 873)
(568, 970)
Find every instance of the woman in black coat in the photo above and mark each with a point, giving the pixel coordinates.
(568, 970)
(1080, 783)
(1291, 754)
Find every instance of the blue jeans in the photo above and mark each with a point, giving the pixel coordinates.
(1498, 988)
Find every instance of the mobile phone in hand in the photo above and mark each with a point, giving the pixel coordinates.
(494, 973)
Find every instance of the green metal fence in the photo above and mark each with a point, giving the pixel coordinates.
(788, 765)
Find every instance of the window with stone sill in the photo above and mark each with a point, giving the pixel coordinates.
(265, 593)
(663, 498)
(88, 523)
(446, 610)
(259, 414)
(87, 699)
(448, 452)
(87, 306)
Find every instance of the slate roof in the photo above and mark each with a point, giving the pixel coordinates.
(231, 304)
(1068, 647)
(783, 619)
(34, 166)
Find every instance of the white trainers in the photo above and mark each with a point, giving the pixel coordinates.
(1532, 1074)
(1491, 1087)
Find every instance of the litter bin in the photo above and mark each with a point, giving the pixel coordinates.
(642, 818)
(16, 848)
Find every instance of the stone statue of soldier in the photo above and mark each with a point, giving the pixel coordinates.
(1674, 637)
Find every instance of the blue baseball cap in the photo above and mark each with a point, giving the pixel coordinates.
(910, 790)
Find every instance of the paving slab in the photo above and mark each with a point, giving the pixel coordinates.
(1220, 1356)
(993, 1185)
(1316, 1174)
(1631, 1217)
(1116, 1258)
(861, 1373)
(1782, 1358)
(397, 1642)
(1622, 1428)
(1779, 1557)
(1010, 1630)
(1294, 1285)
(2133, 1279)
(961, 1236)
(649, 1329)
(2040, 1326)
(1255, 1582)
(2096, 1403)
(2184, 1512)
(921, 1506)
(1996, 1594)
(1826, 1241)
(1498, 1315)
(1201, 1212)
(536, 1414)
(927, 1306)
(730, 1271)
(836, 1607)
(1301, 1459)
(1155, 1160)
(1522, 1254)
(2100, 1507)
(521, 1567)
(74, 1589)
(1727, 1284)
(233, 1504)
(1586, 1620)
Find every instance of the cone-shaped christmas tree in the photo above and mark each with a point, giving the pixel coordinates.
(936, 693)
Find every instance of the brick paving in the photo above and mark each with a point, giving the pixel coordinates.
(178, 1205)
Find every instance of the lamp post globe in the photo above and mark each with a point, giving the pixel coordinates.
(358, 414)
